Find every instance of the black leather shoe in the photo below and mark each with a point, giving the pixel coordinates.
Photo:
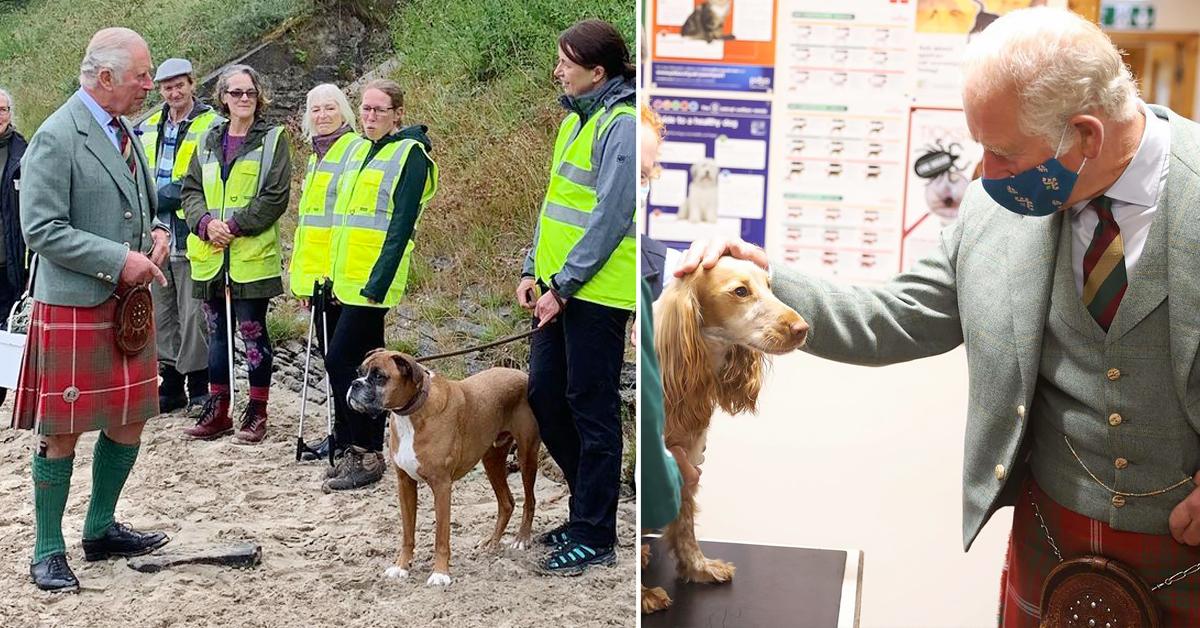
(54, 574)
(121, 540)
(322, 451)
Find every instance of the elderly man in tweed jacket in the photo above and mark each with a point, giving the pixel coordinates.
(1071, 276)
(87, 211)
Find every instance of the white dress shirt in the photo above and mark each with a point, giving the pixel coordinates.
(1134, 198)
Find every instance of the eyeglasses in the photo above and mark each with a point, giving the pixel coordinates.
(5, 109)
(239, 94)
(374, 110)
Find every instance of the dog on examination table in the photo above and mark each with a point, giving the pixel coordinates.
(438, 430)
(714, 331)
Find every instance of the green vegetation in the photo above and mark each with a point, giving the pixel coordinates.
(42, 41)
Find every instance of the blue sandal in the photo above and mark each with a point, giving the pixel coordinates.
(572, 559)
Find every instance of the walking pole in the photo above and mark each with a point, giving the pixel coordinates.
(325, 296)
(229, 330)
(300, 446)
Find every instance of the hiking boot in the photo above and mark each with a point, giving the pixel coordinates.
(340, 463)
(197, 392)
(572, 559)
(253, 425)
(170, 392)
(362, 468)
(214, 421)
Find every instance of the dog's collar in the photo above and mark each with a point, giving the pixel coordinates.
(418, 399)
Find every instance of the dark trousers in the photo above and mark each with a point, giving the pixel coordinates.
(353, 332)
(251, 317)
(574, 390)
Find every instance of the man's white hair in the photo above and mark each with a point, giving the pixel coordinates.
(1057, 63)
(324, 93)
(111, 49)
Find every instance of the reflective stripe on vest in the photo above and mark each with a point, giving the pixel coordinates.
(312, 246)
(185, 147)
(568, 206)
(364, 214)
(252, 258)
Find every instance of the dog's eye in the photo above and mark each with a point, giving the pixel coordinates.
(741, 291)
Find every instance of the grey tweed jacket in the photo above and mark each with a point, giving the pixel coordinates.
(989, 285)
(81, 209)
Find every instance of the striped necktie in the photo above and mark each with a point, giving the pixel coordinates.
(1104, 279)
(126, 146)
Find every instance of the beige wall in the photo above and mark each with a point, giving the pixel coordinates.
(1178, 16)
(867, 458)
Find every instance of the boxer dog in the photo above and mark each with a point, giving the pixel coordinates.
(439, 430)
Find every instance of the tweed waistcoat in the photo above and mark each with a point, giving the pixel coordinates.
(1111, 396)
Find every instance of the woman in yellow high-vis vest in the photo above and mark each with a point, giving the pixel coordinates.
(388, 181)
(584, 261)
(235, 190)
(330, 125)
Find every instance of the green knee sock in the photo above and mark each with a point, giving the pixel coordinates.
(51, 483)
(110, 467)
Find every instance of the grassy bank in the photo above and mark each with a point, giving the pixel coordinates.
(42, 41)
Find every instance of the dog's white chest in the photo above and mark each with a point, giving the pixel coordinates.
(405, 456)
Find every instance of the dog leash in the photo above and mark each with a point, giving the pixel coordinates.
(495, 343)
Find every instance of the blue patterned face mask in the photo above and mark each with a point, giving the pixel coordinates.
(1038, 191)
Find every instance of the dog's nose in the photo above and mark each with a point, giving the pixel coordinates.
(799, 330)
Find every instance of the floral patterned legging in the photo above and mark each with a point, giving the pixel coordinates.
(251, 317)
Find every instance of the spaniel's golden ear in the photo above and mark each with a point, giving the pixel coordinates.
(741, 380)
(687, 376)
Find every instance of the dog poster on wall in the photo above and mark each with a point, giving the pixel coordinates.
(713, 44)
(714, 170)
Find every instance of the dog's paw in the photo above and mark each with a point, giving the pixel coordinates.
(487, 545)
(399, 573)
(521, 543)
(654, 600)
(645, 555)
(438, 580)
(711, 570)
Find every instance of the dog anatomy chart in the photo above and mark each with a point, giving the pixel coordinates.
(868, 154)
(714, 170)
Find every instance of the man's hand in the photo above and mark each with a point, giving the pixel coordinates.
(1185, 518)
(690, 473)
(706, 253)
(547, 309)
(219, 234)
(139, 271)
(162, 246)
(527, 292)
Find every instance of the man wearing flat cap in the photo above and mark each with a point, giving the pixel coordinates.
(169, 139)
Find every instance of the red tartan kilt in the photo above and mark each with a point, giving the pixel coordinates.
(1154, 557)
(74, 378)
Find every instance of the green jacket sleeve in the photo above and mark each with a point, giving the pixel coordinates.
(406, 201)
(661, 481)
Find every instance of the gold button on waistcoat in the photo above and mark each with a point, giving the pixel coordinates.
(1120, 463)
(1118, 501)
(1113, 374)
(1114, 419)
(1000, 472)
